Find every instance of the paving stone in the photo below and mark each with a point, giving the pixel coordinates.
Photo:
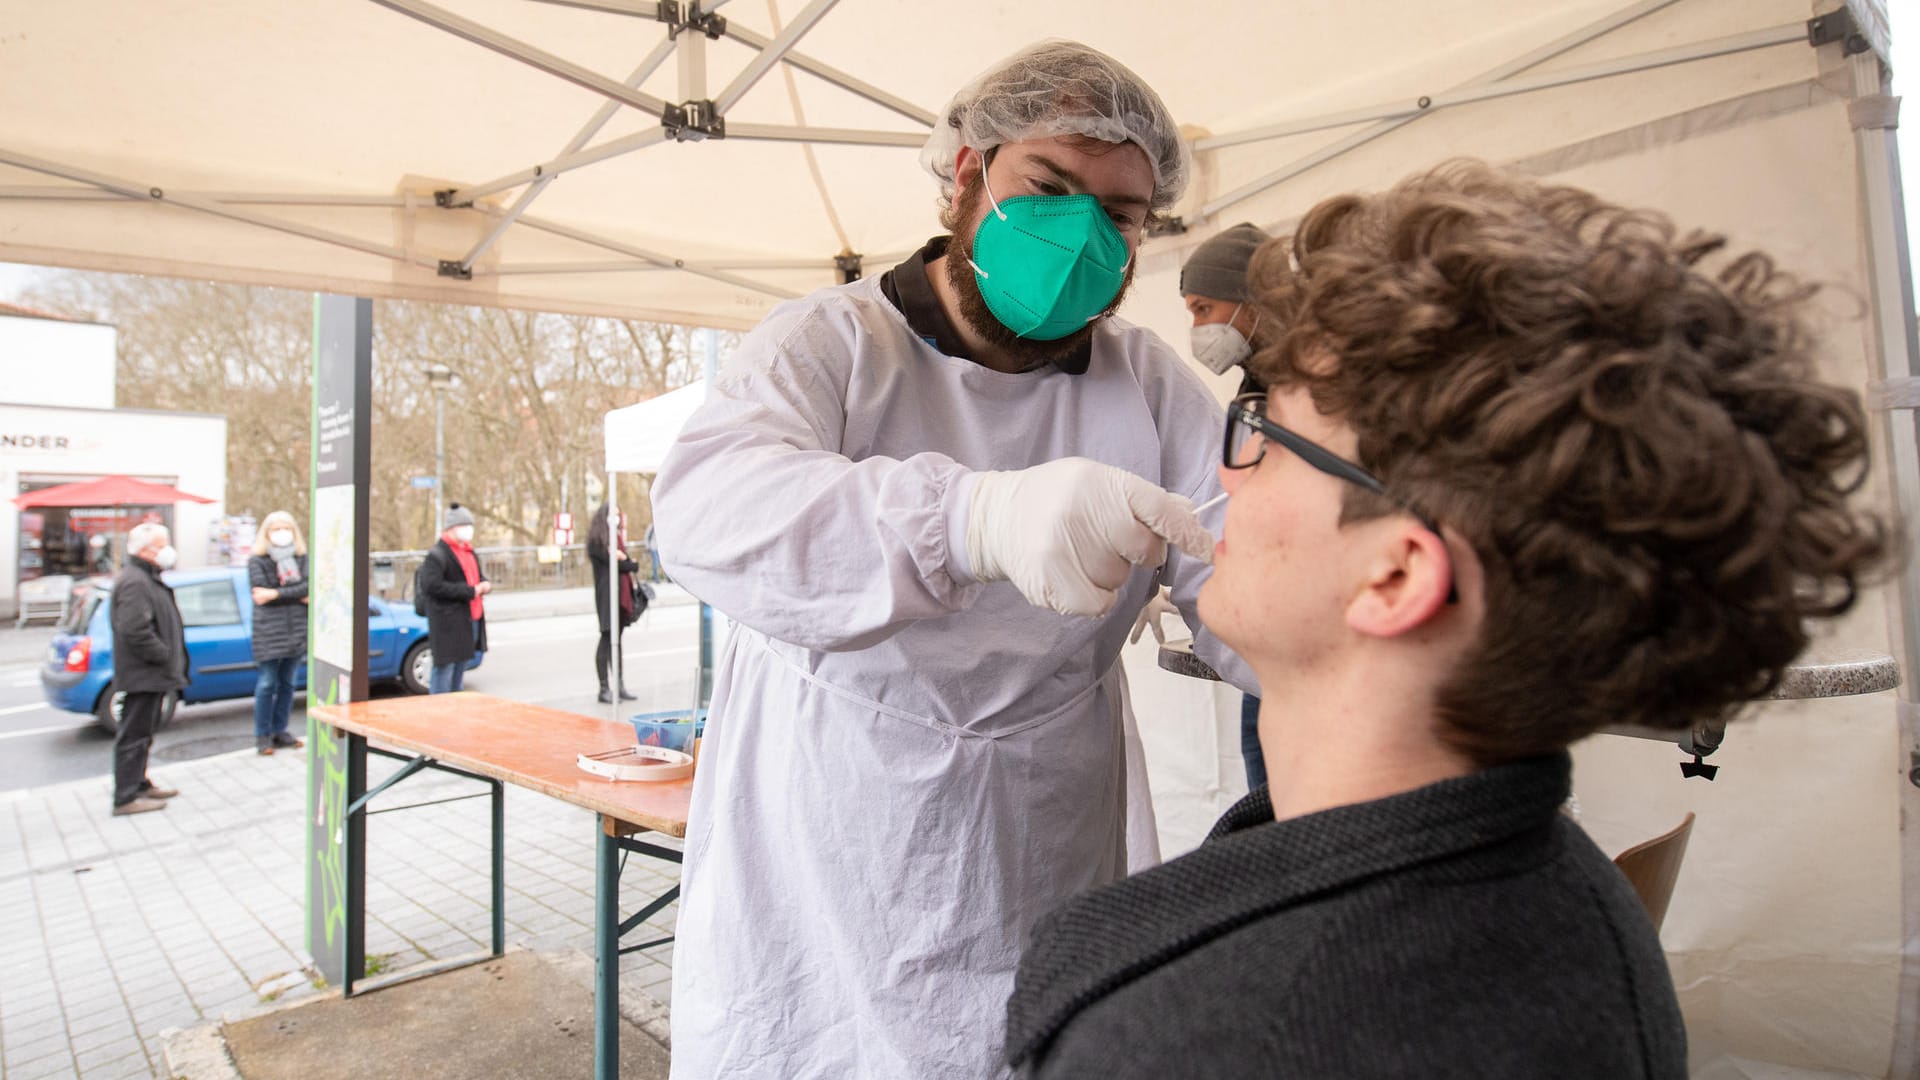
(215, 894)
(56, 1067)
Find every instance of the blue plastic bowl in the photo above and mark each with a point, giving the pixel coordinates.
(669, 730)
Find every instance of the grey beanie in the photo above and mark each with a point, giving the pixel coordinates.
(458, 515)
(1218, 268)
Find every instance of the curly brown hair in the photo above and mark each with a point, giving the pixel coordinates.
(1634, 446)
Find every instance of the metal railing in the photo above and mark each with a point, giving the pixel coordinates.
(511, 569)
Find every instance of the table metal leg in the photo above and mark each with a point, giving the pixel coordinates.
(606, 952)
(499, 868)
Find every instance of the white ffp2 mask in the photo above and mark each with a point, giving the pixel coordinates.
(1218, 346)
(166, 557)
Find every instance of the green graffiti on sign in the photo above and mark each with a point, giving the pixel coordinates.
(330, 849)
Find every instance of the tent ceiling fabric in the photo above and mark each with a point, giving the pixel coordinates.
(243, 108)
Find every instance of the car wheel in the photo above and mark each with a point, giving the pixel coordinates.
(108, 710)
(416, 669)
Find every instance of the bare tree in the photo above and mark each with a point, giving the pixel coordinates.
(523, 417)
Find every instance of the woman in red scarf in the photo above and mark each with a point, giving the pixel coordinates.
(453, 585)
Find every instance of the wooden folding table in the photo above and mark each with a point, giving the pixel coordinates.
(505, 742)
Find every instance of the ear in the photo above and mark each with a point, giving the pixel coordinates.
(1408, 578)
(966, 168)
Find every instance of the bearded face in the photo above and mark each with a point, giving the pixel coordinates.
(970, 207)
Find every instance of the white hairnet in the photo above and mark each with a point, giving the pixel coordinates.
(1060, 88)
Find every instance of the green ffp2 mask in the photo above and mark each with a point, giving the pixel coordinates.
(1048, 264)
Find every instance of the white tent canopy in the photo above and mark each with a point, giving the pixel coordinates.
(306, 144)
(541, 154)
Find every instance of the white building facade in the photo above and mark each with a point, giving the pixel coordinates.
(58, 425)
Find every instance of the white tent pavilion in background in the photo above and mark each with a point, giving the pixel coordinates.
(698, 162)
(638, 438)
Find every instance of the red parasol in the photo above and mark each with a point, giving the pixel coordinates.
(106, 491)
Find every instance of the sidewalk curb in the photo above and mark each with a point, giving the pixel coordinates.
(199, 1053)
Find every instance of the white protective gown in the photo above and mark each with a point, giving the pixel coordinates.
(903, 769)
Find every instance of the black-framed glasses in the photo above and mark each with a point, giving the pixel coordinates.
(1249, 431)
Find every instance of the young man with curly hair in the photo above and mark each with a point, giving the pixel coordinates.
(1527, 467)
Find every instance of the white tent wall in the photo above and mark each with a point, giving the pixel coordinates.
(296, 144)
(1785, 933)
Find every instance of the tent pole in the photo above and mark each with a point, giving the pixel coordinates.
(129, 189)
(585, 237)
(627, 266)
(1597, 29)
(647, 66)
(1892, 336)
(834, 75)
(642, 9)
(1790, 33)
(616, 652)
(551, 171)
(235, 198)
(851, 136)
(770, 55)
(514, 48)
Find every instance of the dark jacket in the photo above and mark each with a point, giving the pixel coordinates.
(449, 614)
(1466, 929)
(279, 625)
(597, 555)
(149, 640)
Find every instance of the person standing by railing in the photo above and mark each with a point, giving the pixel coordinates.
(600, 537)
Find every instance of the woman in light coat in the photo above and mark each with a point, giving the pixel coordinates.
(278, 575)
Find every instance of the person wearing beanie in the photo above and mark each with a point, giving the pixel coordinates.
(1225, 325)
(452, 585)
(1214, 284)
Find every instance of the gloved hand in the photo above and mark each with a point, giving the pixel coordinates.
(1067, 533)
(1160, 604)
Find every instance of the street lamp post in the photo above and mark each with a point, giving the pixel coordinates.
(439, 376)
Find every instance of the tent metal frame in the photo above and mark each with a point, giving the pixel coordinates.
(690, 25)
(1499, 82)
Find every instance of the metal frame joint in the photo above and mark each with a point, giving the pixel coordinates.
(848, 264)
(1171, 225)
(1837, 26)
(693, 121)
(688, 16)
(453, 268)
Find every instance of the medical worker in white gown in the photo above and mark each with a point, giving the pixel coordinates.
(933, 502)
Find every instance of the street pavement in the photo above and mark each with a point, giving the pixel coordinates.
(543, 653)
(118, 930)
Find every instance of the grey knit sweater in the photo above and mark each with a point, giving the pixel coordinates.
(1465, 929)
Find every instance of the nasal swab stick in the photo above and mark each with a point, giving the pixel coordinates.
(1215, 501)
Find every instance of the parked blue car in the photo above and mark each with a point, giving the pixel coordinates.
(216, 605)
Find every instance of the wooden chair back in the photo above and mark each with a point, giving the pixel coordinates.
(1653, 866)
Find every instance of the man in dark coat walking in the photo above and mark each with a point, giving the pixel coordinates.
(452, 583)
(150, 661)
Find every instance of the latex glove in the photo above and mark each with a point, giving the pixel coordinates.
(1150, 615)
(1067, 533)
